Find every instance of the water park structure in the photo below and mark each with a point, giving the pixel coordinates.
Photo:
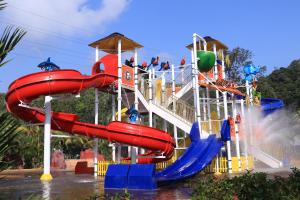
(202, 114)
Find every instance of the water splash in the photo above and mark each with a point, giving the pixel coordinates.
(277, 134)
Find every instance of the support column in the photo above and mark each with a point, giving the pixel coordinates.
(113, 104)
(174, 107)
(229, 159)
(119, 94)
(245, 134)
(134, 150)
(204, 106)
(96, 139)
(195, 74)
(237, 140)
(208, 111)
(47, 140)
(164, 98)
(150, 98)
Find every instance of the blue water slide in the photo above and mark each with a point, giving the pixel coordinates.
(269, 105)
(196, 157)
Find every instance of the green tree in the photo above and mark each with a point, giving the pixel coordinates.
(238, 57)
(8, 132)
(283, 83)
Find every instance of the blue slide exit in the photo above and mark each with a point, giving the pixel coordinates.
(195, 158)
(269, 105)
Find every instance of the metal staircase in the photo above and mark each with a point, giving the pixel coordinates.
(166, 114)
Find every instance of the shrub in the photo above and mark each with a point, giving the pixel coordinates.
(249, 186)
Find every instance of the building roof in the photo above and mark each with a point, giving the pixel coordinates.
(210, 41)
(109, 44)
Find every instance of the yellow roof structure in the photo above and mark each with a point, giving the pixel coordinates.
(109, 44)
(210, 41)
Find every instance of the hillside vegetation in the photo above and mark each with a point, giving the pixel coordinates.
(283, 83)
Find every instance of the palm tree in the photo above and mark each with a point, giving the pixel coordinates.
(8, 125)
(8, 131)
(2, 4)
(9, 39)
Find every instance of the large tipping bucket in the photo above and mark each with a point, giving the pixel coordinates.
(206, 60)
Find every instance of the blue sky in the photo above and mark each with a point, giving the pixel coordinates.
(63, 29)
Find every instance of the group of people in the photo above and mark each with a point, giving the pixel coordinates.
(154, 62)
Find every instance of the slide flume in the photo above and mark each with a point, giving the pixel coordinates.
(27, 88)
(195, 158)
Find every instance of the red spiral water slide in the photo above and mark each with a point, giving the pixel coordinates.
(30, 87)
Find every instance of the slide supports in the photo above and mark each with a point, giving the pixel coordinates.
(96, 139)
(237, 140)
(229, 159)
(47, 140)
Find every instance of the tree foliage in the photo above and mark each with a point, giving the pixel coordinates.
(9, 39)
(2, 4)
(249, 186)
(238, 58)
(8, 132)
(28, 145)
(283, 83)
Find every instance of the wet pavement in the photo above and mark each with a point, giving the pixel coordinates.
(67, 185)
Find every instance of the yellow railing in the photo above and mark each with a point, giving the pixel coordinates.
(103, 165)
(212, 168)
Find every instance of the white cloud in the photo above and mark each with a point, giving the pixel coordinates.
(68, 17)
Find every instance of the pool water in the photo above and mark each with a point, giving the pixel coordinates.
(67, 185)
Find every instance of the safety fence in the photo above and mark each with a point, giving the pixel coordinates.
(223, 165)
(212, 168)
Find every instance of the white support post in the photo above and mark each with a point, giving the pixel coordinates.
(182, 74)
(47, 140)
(136, 101)
(96, 140)
(229, 161)
(163, 88)
(209, 111)
(204, 106)
(174, 105)
(119, 93)
(195, 74)
(134, 150)
(223, 64)
(218, 104)
(236, 128)
(249, 95)
(245, 135)
(119, 80)
(150, 99)
(194, 82)
(215, 67)
(113, 104)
